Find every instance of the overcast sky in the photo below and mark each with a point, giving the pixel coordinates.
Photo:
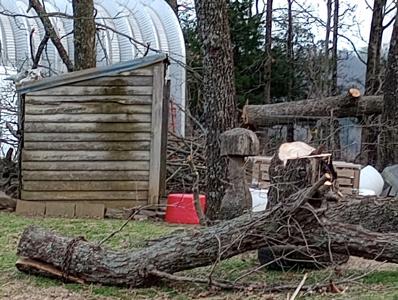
(362, 15)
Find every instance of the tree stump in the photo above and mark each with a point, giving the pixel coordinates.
(236, 144)
(294, 167)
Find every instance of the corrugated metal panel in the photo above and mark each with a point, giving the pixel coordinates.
(170, 31)
(150, 22)
(7, 40)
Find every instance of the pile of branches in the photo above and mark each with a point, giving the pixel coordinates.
(9, 175)
(180, 152)
(8, 182)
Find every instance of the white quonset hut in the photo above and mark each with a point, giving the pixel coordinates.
(149, 22)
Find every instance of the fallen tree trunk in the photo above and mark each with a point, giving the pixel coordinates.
(350, 105)
(372, 213)
(81, 261)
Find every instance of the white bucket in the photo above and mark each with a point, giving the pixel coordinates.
(259, 199)
(371, 179)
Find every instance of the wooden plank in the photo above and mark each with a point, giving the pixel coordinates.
(77, 155)
(87, 127)
(83, 195)
(94, 90)
(111, 118)
(90, 210)
(87, 108)
(357, 176)
(86, 166)
(87, 137)
(156, 137)
(60, 209)
(142, 80)
(84, 175)
(343, 164)
(30, 208)
(85, 185)
(345, 181)
(345, 173)
(132, 100)
(165, 127)
(107, 146)
(264, 167)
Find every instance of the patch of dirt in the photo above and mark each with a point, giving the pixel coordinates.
(361, 264)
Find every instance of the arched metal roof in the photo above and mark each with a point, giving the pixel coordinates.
(150, 22)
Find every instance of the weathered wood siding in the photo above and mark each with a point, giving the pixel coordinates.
(96, 140)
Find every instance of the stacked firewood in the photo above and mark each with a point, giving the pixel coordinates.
(180, 177)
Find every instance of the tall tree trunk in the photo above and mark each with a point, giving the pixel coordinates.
(390, 110)
(218, 92)
(326, 62)
(268, 59)
(372, 83)
(290, 58)
(333, 87)
(84, 34)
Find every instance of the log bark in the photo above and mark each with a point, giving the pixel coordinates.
(84, 34)
(218, 90)
(81, 261)
(304, 110)
(389, 134)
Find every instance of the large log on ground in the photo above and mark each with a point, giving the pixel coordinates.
(47, 253)
(350, 105)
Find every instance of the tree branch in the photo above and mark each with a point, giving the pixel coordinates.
(50, 31)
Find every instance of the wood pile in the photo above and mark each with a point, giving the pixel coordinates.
(8, 182)
(179, 174)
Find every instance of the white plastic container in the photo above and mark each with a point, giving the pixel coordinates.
(366, 192)
(259, 199)
(371, 179)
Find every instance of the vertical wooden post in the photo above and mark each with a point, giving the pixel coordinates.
(156, 135)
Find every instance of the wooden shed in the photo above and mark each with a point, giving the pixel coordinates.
(94, 138)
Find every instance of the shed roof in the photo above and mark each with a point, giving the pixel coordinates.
(68, 78)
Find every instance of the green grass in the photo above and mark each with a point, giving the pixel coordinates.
(378, 285)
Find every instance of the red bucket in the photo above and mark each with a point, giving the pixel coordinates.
(181, 209)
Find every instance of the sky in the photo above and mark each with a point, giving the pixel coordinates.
(362, 16)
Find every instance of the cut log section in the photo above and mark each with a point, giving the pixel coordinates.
(350, 105)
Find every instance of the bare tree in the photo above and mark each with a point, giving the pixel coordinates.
(326, 61)
(290, 58)
(390, 110)
(268, 58)
(333, 86)
(218, 92)
(372, 83)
